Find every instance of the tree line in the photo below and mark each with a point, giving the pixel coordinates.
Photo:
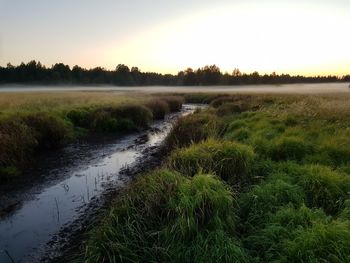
(35, 73)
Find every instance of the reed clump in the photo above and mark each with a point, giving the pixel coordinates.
(26, 130)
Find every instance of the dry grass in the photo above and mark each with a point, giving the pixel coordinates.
(57, 101)
(327, 107)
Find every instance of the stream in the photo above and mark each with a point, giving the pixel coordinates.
(74, 183)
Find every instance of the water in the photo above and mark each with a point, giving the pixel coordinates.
(286, 88)
(47, 209)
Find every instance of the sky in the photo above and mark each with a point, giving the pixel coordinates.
(309, 37)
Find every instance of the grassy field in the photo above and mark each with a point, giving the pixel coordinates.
(254, 178)
(60, 101)
(35, 122)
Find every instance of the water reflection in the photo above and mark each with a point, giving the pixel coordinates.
(25, 231)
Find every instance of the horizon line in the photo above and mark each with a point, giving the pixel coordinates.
(174, 73)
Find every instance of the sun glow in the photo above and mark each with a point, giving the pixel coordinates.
(266, 39)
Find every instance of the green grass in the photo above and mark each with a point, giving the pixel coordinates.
(231, 161)
(166, 217)
(324, 188)
(254, 178)
(193, 129)
(34, 122)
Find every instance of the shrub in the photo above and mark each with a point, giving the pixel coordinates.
(229, 160)
(174, 102)
(194, 128)
(158, 107)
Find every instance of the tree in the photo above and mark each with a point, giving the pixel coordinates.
(211, 75)
(122, 75)
(61, 72)
(189, 77)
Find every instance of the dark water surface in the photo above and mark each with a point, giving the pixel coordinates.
(73, 182)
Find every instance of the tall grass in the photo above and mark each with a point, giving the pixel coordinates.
(291, 154)
(166, 217)
(158, 107)
(231, 161)
(193, 129)
(325, 188)
(64, 100)
(174, 102)
(39, 121)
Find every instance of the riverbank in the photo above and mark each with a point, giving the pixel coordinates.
(35, 123)
(75, 187)
(251, 179)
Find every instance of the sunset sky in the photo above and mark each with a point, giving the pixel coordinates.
(292, 36)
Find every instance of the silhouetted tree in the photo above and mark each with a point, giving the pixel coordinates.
(61, 73)
(211, 75)
(122, 75)
(35, 72)
(189, 77)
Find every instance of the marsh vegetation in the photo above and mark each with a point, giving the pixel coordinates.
(31, 123)
(251, 179)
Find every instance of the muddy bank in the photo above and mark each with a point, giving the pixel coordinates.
(40, 219)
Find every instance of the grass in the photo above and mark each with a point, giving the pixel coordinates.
(231, 161)
(254, 178)
(158, 107)
(166, 217)
(324, 188)
(33, 122)
(174, 102)
(320, 243)
(194, 129)
(61, 101)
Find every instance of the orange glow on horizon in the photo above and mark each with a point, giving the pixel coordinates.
(268, 40)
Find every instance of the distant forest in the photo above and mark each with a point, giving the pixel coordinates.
(35, 73)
